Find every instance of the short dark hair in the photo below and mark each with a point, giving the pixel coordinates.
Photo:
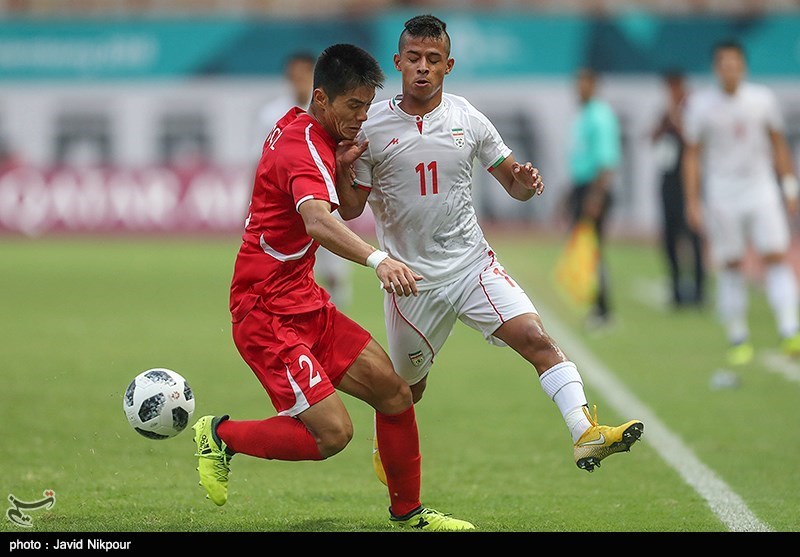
(300, 56)
(673, 75)
(727, 44)
(424, 27)
(344, 67)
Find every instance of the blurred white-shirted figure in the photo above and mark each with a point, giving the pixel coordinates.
(299, 75)
(737, 154)
(332, 272)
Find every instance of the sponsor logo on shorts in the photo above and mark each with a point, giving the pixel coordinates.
(417, 358)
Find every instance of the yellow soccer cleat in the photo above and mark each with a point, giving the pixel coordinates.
(214, 461)
(740, 354)
(791, 345)
(600, 441)
(430, 520)
(377, 465)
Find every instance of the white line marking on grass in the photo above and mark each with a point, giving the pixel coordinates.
(782, 365)
(724, 502)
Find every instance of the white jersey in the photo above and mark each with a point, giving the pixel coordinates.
(733, 131)
(419, 173)
(267, 117)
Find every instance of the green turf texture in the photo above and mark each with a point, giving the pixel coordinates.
(81, 317)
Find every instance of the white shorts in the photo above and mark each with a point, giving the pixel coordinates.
(734, 225)
(484, 297)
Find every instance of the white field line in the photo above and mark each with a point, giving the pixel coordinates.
(726, 504)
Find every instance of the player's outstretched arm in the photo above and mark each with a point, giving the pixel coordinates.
(521, 181)
(691, 187)
(333, 235)
(784, 165)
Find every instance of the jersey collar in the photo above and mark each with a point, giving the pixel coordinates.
(394, 104)
(305, 118)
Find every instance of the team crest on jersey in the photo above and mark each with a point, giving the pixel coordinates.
(458, 137)
(417, 358)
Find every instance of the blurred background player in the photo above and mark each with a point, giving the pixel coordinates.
(298, 74)
(330, 271)
(594, 156)
(683, 247)
(416, 174)
(298, 344)
(735, 144)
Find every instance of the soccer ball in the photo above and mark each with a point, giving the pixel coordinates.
(158, 403)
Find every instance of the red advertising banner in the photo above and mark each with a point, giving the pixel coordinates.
(36, 201)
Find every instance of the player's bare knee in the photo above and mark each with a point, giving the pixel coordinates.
(539, 348)
(391, 395)
(334, 440)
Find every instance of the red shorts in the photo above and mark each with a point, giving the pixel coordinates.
(300, 358)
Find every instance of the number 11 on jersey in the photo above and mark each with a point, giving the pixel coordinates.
(420, 168)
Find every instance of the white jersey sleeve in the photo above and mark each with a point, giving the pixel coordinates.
(692, 123)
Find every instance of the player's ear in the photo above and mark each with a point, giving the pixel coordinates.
(450, 63)
(319, 97)
(397, 62)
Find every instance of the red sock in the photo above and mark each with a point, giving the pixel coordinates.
(276, 438)
(398, 443)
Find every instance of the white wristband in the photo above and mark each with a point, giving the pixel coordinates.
(375, 258)
(790, 186)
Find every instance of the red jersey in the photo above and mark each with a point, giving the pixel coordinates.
(275, 262)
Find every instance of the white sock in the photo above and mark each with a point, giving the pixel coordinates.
(781, 287)
(732, 304)
(563, 384)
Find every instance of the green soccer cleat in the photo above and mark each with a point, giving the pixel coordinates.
(791, 345)
(430, 520)
(600, 441)
(740, 354)
(214, 462)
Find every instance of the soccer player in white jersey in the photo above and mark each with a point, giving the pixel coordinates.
(735, 145)
(416, 173)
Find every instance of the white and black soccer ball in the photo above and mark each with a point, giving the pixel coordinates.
(158, 403)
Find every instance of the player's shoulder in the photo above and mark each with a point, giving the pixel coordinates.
(757, 91)
(381, 107)
(379, 112)
(300, 131)
(464, 111)
(457, 102)
(699, 100)
(288, 117)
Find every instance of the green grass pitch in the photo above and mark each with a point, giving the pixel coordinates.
(80, 317)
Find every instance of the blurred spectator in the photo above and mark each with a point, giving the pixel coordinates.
(331, 271)
(594, 156)
(683, 246)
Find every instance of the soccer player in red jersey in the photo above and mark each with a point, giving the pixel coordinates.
(299, 345)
